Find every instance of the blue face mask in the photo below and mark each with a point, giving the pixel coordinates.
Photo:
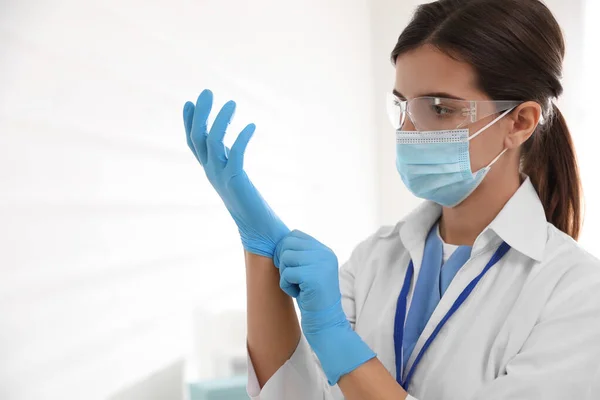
(436, 165)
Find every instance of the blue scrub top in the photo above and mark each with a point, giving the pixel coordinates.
(432, 282)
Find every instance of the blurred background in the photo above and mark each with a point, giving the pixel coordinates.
(121, 273)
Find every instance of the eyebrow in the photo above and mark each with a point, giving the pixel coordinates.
(436, 94)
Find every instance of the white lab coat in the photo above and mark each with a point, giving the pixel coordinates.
(529, 330)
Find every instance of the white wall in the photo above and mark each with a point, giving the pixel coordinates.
(110, 233)
(586, 136)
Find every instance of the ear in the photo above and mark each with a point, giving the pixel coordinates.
(524, 120)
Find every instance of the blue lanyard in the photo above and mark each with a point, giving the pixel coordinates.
(401, 315)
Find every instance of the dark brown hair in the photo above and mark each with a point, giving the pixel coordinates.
(517, 49)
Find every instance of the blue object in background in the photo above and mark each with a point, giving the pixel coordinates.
(221, 389)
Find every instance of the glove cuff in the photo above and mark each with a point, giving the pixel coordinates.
(340, 351)
(263, 245)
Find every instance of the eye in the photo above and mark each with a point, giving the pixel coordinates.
(399, 102)
(442, 111)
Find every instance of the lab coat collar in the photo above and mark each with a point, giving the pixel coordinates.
(521, 223)
(415, 228)
(418, 223)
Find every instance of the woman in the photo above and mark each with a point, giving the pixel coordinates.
(481, 293)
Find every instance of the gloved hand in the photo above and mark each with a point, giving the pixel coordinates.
(259, 227)
(309, 273)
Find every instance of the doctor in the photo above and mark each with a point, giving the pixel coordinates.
(482, 292)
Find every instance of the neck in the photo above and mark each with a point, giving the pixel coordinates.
(462, 224)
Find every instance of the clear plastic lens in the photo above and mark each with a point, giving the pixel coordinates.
(437, 113)
(428, 113)
(395, 111)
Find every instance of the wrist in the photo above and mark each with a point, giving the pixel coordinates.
(340, 351)
(338, 347)
(315, 322)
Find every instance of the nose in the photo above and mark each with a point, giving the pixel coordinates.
(408, 124)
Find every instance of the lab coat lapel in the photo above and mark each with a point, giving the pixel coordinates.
(528, 237)
(469, 271)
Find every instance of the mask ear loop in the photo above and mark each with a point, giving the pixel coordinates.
(486, 127)
(479, 132)
(496, 159)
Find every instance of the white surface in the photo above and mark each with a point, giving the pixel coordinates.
(586, 137)
(110, 232)
(530, 326)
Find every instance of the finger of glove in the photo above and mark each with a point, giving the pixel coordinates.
(303, 236)
(295, 240)
(290, 259)
(236, 156)
(290, 281)
(188, 118)
(313, 243)
(291, 289)
(297, 258)
(199, 124)
(291, 242)
(214, 141)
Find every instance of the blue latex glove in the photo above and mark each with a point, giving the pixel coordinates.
(309, 273)
(258, 225)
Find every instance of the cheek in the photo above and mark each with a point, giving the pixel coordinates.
(485, 147)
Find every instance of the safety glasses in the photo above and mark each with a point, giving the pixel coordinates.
(440, 114)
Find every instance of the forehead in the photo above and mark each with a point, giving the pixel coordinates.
(427, 70)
